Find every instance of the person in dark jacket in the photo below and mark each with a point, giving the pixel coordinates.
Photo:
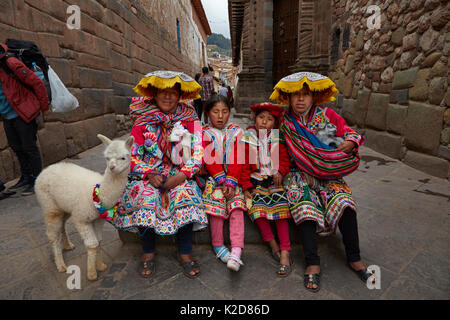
(22, 97)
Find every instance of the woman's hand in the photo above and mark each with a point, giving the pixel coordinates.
(175, 180)
(247, 195)
(277, 179)
(228, 192)
(155, 180)
(347, 146)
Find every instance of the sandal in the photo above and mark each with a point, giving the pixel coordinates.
(276, 255)
(234, 262)
(364, 274)
(149, 265)
(286, 269)
(312, 278)
(188, 266)
(222, 253)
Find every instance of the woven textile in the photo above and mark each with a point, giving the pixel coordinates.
(324, 204)
(215, 202)
(270, 203)
(311, 155)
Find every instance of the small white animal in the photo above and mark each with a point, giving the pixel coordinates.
(65, 190)
(327, 134)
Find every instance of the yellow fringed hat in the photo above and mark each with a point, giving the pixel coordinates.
(152, 81)
(323, 87)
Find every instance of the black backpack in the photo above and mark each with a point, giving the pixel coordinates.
(28, 52)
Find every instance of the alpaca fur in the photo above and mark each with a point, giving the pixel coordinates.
(327, 134)
(65, 190)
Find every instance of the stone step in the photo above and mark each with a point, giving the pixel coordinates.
(251, 234)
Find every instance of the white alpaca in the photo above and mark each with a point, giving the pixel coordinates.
(65, 190)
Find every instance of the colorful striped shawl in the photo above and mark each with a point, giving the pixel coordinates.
(311, 155)
(144, 111)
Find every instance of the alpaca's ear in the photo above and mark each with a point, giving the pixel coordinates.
(129, 142)
(104, 139)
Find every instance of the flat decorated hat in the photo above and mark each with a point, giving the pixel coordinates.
(274, 109)
(155, 80)
(322, 87)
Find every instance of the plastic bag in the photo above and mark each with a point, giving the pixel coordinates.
(62, 99)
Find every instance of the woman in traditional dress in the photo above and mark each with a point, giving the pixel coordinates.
(319, 198)
(162, 196)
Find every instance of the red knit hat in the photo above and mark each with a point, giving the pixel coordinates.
(274, 110)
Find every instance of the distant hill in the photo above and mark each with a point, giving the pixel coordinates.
(223, 44)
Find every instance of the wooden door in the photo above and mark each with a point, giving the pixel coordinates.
(285, 33)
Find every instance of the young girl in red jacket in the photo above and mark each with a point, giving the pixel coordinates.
(222, 196)
(267, 162)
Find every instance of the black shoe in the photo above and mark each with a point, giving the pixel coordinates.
(28, 191)
(30, 188)
(23, 183)
(6, 194)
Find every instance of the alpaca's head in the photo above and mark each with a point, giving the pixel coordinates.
(117, 153)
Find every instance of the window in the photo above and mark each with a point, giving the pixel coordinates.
(178, 35)
(335, 45)
(346, 37)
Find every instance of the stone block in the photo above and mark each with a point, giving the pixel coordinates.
(110, 125)
(438, 86)
(445, 136)
(121, 89)
(90, 78)
(362, 103)
(444, 152)
(405, 79)
(432, 165)
(431, 59)
(386, 143)
(447, 116)
(94, 101)
(53, 145)
(396, 118)
(419, 91)
(6, 14)
(377, 110)
(349, 111)
(429, 40)
(347, 84)
(423, 127)
(76, 138)
(439, 69)
(93, 127)
(399, 96)
(120, 104)
(397, 36)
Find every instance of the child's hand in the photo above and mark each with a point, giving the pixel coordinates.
(228, 192)
(277, 179)
(247, 195)
(347, 146)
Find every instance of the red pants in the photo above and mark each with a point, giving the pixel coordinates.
(282, 226)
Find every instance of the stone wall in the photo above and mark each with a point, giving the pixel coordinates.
(393, 81)
(118, 42)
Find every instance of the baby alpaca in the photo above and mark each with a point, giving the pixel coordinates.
(327, 134)
(65, 190)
